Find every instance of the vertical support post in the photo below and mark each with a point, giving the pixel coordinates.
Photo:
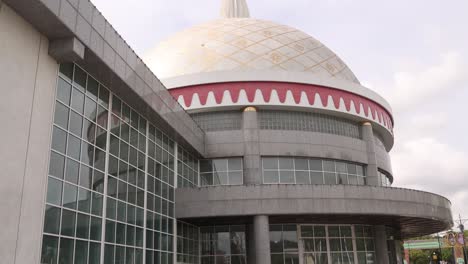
(381, 247)
(145, 191)
(252, 171)
(300, 244)
(262, 239)
(174, 222)
(106, 177)
(372, 169)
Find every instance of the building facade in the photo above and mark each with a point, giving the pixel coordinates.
(253, 143)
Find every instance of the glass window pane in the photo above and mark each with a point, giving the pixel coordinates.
(270, 163)
(109, 254)
(68, 223)
(66, 250)
(319, 231)
(61, 115)
(276, 241)
(329, 165)
(74, 147)
(286, 164)
(342, 178)
(335, 244)
(220, 178)
(301, 164)
(81, 252)
(67, 70)
(291, 259)
(351, 168)
(76, 123)
(57, 165)
(69, 196)
(235, 178)
(82, 226)
(286, 176)
(78, 101)
(96, 204)
(315, 165)
(84, 200)
(334, 231)
(52, 220)
(270, 177)
(72, 172)
(79, 78)
(330, 178)
(110, 231)
(94, 253)
(54, 191)
(95, 228)
(49, 253)
(206, 179)
(235, 164)
(92, 88)
(307, 231)
(220, 165)
(341, 167)
(320, 245)
(90, 109)
(302, 177)
(63, 91)
(277, 259)
(59, 140)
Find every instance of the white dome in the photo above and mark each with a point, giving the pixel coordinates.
(245, 44)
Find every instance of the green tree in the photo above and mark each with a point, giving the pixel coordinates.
(419, 256)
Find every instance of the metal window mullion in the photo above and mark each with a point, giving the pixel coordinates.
(174, 220)
(145, 190)
(353, 234)
(328, 245)
(106, 176)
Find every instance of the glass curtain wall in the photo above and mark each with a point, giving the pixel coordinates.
(293, 170)
(187, 169)
(321, 244)
(187, 243)
(221, 172)
(110, 193)
(223, 244)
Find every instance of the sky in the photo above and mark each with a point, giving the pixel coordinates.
(414, 53)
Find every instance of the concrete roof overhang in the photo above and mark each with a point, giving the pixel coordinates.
(411, 212)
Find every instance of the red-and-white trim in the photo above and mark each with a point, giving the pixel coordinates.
(281, 94)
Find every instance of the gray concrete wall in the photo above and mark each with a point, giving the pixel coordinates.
(28, 80)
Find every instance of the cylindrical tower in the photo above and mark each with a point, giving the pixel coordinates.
(296, 149)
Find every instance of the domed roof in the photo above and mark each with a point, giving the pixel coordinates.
(245, 44)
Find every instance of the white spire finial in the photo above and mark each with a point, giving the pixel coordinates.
(234, 9)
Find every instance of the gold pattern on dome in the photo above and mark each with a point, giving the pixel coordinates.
(243, 44)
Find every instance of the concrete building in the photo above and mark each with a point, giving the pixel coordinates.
(253, 143)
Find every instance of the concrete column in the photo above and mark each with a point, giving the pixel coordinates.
(381, 249)
(372, 170)
(252, 162)
(262, 239)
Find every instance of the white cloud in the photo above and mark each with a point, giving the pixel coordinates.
(430, 165)
(413, 87)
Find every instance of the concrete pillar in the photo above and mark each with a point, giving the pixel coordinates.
(262, 239)
(381, 248)
(252, 162)
(372, 169)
